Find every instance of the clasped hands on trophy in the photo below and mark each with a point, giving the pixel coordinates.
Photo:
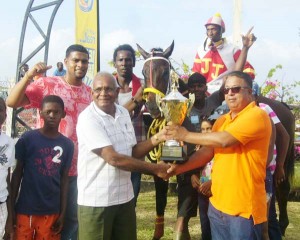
(177, 133)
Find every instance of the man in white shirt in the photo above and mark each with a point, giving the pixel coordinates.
(106, 145)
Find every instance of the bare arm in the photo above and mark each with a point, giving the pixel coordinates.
(15, 185)
(272, 143)
(198, 159)
(137, 100)
(17, 97)
(248, 41)
(64, 189)
(282, 145)
(142, 148)
(128, 163)
(214, 139)
(58, 225)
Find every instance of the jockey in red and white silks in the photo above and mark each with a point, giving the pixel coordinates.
(217, 57)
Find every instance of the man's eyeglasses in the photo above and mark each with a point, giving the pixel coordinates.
(236, 89)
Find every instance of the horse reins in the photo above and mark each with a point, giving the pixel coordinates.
(157, 124)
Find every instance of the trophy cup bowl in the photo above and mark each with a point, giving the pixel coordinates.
(174, 107)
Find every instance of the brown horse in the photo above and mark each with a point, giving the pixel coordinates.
(282, 191)
(156, 73)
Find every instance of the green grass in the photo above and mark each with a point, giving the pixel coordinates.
(146, 215)
(296, 179)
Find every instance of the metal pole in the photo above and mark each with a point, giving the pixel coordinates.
(45, 44)
(237, 22)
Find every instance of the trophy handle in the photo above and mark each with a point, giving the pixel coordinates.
(191, 101)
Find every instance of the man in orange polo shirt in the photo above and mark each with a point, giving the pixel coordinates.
(239, 144)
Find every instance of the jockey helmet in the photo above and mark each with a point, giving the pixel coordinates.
(216, 20)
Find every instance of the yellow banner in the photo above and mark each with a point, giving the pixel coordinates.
(86, 14)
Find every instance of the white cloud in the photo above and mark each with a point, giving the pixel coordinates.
(8, 60)
(268, 53)
(59, 41)
(109, 42)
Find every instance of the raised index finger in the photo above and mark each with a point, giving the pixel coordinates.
(250, 30)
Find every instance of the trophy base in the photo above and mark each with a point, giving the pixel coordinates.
(177, 154)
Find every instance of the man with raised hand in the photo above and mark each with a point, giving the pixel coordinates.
(76, 96)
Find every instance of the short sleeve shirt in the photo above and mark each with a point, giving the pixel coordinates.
(99, 183)
(44, 159)
(76, 99)
(238, 172)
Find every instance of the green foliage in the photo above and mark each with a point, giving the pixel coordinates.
(283, 92)
(111, 63)
(186, 68)
(138, 55)
(288, 93)
(280, 91)
(273, 70)
(181, 68)
(296, 178)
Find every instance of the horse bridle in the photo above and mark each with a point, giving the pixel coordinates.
(158, 123)
(151, 88)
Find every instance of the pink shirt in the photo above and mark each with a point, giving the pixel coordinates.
(275, 120)
(76, 99)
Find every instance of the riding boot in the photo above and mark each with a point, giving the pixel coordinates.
(159, 228)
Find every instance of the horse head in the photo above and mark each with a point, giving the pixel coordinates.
(156, 71)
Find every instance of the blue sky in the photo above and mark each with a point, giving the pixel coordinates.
(156, 23)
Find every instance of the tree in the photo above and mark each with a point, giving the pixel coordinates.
(282, 92)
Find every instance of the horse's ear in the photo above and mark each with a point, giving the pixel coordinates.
(168, 52)
(143, 52)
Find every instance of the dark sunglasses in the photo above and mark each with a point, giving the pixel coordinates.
(234, 89)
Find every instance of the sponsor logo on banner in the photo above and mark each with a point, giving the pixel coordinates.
(85, 5)
(87, 34)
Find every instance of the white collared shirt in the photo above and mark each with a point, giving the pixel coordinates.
(100, 184)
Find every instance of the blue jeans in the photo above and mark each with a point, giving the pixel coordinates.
(225, 227)
(70, 228)
(273, 224)
(136, 184)
(203, 203)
